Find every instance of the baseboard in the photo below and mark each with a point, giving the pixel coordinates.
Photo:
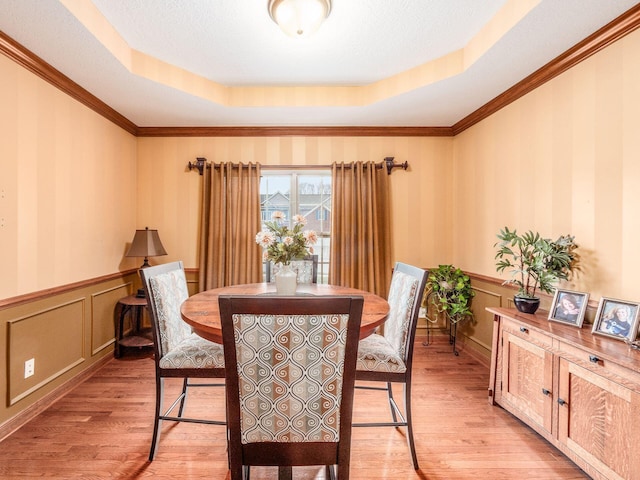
(469, 347)
(32, 411)
(464, 345)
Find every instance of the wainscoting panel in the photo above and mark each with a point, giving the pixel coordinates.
(480, 329)
(102, 306)
(192, 280)
(68, 330)
(53, 338)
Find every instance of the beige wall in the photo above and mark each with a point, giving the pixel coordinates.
(67, 210)
(67, 187)
(563, 159)
(168, 194)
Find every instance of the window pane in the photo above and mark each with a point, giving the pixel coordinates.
(307, 193)
(275, 195)
(315, 201)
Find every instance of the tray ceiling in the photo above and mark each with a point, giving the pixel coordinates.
(200, 63)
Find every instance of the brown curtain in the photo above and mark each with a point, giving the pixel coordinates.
(360, 227)
(229, 254)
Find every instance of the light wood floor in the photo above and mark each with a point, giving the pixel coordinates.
(102, 429)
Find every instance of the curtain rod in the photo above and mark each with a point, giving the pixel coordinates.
(201, 163)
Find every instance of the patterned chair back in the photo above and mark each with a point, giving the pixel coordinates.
(290, 365)
(167, 291)
(403, 295)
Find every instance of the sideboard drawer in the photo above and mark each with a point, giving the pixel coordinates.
(525, 332)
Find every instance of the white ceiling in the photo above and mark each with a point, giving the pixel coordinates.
(234, 43)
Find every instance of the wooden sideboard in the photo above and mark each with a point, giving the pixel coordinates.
(580, 391)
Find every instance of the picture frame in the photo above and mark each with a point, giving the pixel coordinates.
(569, 307)
(617, 319)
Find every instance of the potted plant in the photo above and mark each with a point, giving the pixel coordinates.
(282, 244)
(536, 264)
(449, 290)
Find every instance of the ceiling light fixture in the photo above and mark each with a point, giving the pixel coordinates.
(299, 18)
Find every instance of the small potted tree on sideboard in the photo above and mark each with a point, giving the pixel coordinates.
(536, 264)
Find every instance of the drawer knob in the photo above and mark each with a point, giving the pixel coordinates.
(561, 402)
(524, 329)
(594, 359)
(546, 392)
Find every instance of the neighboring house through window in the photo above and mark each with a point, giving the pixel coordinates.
(304, 192)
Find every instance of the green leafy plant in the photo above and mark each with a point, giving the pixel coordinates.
(536, 263)
(449, 290)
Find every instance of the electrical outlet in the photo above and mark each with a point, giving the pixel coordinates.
(29, 367)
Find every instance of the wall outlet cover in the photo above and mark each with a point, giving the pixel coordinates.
(29, 367)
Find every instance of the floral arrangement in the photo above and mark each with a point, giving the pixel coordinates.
(283, 244)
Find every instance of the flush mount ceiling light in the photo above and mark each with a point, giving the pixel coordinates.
(299, 18)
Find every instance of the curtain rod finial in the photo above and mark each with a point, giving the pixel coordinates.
(391, 164)
(200, 163)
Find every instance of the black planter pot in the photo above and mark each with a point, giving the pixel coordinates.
(526, 304)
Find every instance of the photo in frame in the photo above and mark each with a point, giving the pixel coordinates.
(569, 307)
(617, 319)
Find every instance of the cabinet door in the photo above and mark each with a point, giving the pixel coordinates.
(527, 379)
(598, 421)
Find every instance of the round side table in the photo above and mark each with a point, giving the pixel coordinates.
(138, 337)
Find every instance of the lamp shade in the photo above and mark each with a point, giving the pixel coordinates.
(299, 18)
(146, 243)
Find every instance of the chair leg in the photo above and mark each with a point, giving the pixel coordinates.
(390, 396)
(285, 472)
(185, 385)
(155, 439)
(399, 419)
(342, 472)
(238, 472)
(407, 410)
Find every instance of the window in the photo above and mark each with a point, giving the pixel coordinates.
(304, 192)
(322, 214)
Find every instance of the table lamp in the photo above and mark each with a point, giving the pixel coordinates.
(146, 243)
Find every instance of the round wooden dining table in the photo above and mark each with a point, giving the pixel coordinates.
(201, 310)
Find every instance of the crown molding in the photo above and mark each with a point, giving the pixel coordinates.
(294, 131)
(38, 66)
(610, 33)
(605, 36)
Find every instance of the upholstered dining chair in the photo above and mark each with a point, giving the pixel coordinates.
(179, 353)
(388, 357)
(290, 377)
(306, 270)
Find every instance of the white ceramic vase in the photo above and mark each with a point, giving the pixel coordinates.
(286, 281)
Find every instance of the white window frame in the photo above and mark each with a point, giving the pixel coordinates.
(324, 237)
